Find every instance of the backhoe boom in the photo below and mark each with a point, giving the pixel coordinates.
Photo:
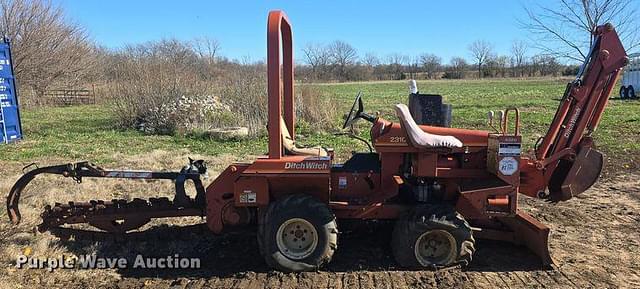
(566, 153)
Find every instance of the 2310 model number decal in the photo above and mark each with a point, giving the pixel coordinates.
(397, 139)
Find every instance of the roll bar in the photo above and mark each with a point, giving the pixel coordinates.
(279, 33)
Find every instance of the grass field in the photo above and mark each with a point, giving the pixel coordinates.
(88, 132)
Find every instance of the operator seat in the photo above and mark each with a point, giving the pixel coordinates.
(420, 138)
(290, 145)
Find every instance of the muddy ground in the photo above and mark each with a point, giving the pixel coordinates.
(595, 242)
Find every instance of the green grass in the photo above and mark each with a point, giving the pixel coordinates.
(87, 132)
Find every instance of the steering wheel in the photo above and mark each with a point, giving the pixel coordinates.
(354, 113)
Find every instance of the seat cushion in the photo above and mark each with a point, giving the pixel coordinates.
(420, 138)
(290, 145)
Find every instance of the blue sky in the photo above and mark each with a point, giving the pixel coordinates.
(382, 27)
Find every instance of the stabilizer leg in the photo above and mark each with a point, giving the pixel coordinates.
(531, 233)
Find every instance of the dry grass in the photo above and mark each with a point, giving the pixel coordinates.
(315, 108)
(244, 90)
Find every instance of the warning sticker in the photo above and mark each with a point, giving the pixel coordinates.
(509, 149)
(248, 197)
(342, 182)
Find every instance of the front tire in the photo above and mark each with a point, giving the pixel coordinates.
(432, 237)
(631, 92)
(298, 233)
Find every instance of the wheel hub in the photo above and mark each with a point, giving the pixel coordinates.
(435, 247)
(297, 238)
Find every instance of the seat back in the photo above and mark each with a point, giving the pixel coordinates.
(419, 138)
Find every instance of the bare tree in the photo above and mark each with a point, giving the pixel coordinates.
(396, 65)
(397, 59)
(481, 50)
(370, 59)
(498, 65)
(457, 66)
(47, 47)
(343, 55)
(548, 65)
(370, 62)
(412, 66)
(518, 51)
(318, 57)
(431, 64)
(565, 30)
(207, 48)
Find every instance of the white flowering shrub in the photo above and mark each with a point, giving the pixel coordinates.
(185, 114)
(164, 88)
(161, 88)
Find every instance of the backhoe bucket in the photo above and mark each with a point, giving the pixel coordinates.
(583, 174)
(531, 233)
(573, 178)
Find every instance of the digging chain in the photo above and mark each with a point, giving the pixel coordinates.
(115, 216)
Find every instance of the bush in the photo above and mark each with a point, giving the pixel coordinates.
(316, 109)
(163, 88)
(155, 88)
(244, 90)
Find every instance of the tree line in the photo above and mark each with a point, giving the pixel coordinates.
(340, 61)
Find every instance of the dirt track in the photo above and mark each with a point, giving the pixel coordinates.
(595, 243)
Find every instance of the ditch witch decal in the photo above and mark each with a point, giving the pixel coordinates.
(306, 166)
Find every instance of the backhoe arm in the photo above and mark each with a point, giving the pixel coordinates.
(566, 154)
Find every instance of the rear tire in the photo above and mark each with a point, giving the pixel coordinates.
(298, 233)
(623, 92)
(432, 237)
(631, 92)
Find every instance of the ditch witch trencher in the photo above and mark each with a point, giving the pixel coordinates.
(444, 187)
